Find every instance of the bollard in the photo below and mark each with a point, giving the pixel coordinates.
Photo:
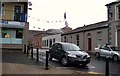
(107, 67)
(27, 50)
(46, 64)
(37, 56)
(24, 49)
(31, 52)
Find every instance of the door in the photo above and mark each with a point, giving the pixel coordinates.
(17, 12)
(89, 44)
(105, 51)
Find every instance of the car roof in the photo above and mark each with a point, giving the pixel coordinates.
(63, 43)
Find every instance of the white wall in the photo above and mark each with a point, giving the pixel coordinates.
(57, 38)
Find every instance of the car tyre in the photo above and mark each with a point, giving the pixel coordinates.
(97, 55)
(64, 61)
(49, 57)
(115, 58)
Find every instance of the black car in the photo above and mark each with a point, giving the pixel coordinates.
(68, 53)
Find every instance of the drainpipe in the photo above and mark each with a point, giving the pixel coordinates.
(108, 33)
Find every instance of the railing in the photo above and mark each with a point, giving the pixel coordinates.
(8, 14)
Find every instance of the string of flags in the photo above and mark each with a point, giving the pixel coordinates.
(48, 21)
(56, 21)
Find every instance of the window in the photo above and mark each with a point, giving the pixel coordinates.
(2, 9)
(64, 39)
(77, 38)
(54, 40)
(19, 33)
(47, 42)
(4, 32)
(118, 12)
(99, 38)
(110, 13)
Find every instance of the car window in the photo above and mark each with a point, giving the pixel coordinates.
(115, 48)
(54, 46)
(101, 47)
(105, 48)
(59, 47)
(71, 47)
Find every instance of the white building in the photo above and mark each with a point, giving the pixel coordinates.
(47, 41)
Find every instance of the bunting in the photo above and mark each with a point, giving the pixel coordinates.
(48, 21)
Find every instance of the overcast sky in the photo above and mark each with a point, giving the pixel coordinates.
(49, 14)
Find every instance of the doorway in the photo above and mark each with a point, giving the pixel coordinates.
(89, 44)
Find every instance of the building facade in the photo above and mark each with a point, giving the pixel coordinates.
(48, 41)
(106, 32)
(88, 37)
(13, 24)
(114, 23)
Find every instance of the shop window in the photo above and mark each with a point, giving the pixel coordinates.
(19, 33)
(4, 32)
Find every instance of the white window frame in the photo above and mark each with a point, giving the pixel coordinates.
(116, 12)
(2, 9)
(14, 7)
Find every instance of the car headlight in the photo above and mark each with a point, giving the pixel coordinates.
(71, 55)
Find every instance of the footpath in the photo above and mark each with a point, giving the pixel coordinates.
(15, 62)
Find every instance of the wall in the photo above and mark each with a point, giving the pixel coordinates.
(57, 38)
(9, 10)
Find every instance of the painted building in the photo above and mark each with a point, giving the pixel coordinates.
(48, 41)
(87, 37)
(114, 22)
(90, 36)
(13, 24)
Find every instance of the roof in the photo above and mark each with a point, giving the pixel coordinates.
(98, 25)
(115, 2)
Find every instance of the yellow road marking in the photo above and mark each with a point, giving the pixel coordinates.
(93, 73)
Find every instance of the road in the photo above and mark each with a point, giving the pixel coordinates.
(96, 65)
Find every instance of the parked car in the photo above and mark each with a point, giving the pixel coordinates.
(108, 51)
(69, 53)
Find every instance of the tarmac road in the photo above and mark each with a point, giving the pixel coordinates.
(96, 65)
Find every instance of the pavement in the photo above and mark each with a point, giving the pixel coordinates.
(15, 62)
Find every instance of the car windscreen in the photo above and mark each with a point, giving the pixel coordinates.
(115, 48)
(71, 47)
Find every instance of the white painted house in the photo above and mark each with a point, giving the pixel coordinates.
(47, 41)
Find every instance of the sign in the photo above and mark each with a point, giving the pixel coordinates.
(3, 21)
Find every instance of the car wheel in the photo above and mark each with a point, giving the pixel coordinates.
(97, 55)
(64, 61)
(49, 57)
(115, 58)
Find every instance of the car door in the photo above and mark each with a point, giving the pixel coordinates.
(106, 51)
(59, 52)
(54, 50)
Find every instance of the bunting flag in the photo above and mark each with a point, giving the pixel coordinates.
(65, 15)
(59, 21)
(66, 23)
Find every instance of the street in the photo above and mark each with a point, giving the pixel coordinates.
(96, 65)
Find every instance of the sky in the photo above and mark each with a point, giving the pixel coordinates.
(49, 14)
